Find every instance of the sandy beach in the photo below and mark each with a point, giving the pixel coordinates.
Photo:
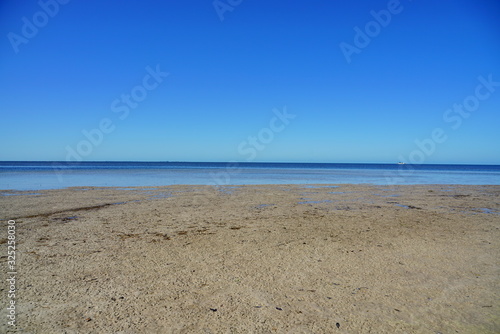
(255, 259)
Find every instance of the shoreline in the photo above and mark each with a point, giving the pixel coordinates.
(262, 258)
(20, 192)
(123, 195)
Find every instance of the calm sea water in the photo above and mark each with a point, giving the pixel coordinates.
(53, 175)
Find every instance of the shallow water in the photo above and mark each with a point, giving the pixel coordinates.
(54, 175)
(306, 201)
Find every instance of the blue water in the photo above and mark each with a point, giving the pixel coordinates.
(53, 175)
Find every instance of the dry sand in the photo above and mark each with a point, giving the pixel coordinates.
(256, 259)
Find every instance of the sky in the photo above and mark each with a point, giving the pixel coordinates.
(257, 81)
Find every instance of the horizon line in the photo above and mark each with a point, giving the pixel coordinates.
(250, 162)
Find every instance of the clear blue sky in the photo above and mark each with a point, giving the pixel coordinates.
(226, 77)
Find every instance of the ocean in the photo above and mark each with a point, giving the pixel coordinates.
(16, 175)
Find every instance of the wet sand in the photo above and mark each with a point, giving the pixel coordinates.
(255, 259)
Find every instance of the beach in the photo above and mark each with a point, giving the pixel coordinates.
(255, 259)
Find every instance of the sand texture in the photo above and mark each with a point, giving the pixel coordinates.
(256, 259)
